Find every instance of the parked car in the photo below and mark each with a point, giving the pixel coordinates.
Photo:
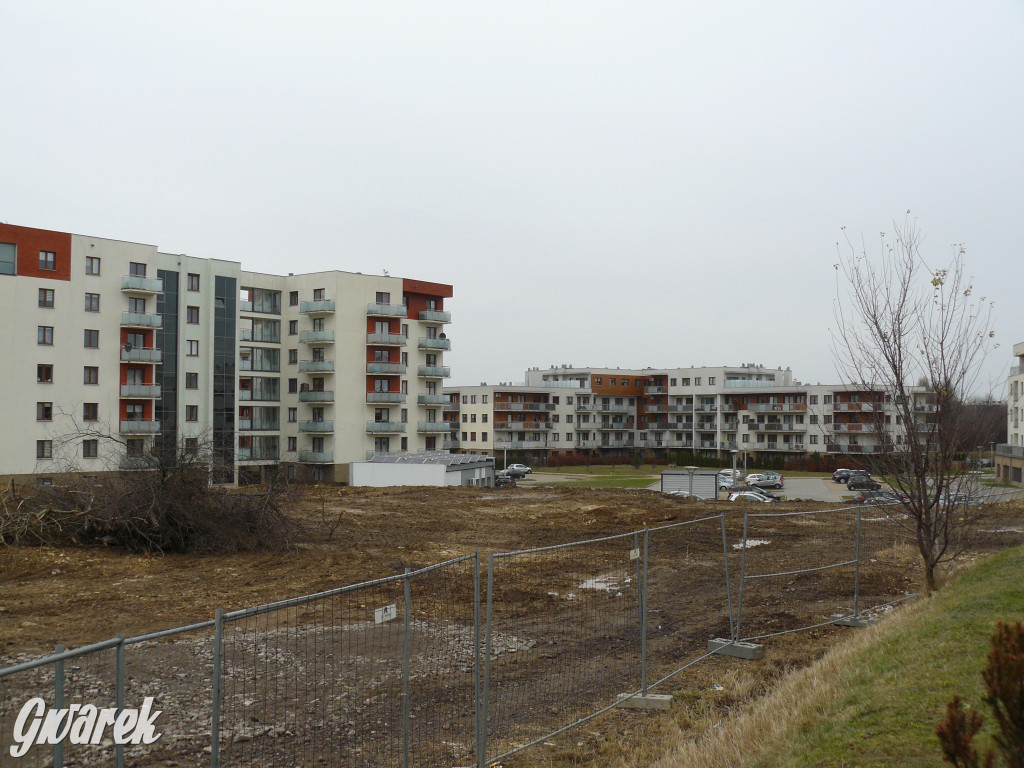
(521, 468)
(514, 473)
(503, 481)
(841, 475)
(725, 483)
(878, 497)
(735, 474)
(752, 496)
(754, 478)
(862, 482)
(767, 480)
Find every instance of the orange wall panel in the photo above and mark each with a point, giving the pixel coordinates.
(30, 242)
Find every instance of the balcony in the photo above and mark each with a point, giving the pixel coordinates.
(323, 307)
(316, 337)
(524, 406)
(316, 426)
(615, 426)
(257, 454)
(436, 427)
(140, 427)
(259, 425)
(670, 408)
(261, 337)
(1010, 451)
(434, 372)
(616, 444)
(140, 391)
(775, 427)
(521, 426)
(141, 320)
(842, 427)
(386, 368)
(386, 340)
(429, 343)
(730, 426)
(385, 397)
(141, 355)
(729, 445)
(144, 285)
(385, 427)
(777, 407)
(655, 390)
(449, 444)
(137, 462)
(316, 366)
(316, 457)
(857, 406)
(435, 316)
(520, 445)
(706, 408)
(601, 408)
(316, 396)
(585, 406)
(432, 399)
(706, 444)
(387, 310)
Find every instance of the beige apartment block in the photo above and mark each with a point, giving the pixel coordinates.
(116, 350)
(1009, 457)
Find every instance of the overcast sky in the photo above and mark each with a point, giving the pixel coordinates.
(604, 183)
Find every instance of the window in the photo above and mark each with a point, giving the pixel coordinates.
(318, 354)
(46, 298)
(92, 338)
(193, 348)
(92, 265)
(465, 418)
(814, 418)
(383, 298)
(293, 298)
(92, 302)
(696, 381)
(472, 399)
(44, 449)
(827, 419)
(47, 260)
(136, 269)
(192, 445)
(827, 399)
(44, 334)
(191, 381)
(44, 411)
(92, 375)
(192, 315)
(472, 437)
(405, 330)
(137, 305)
(814, 399)
(293, 356)
(293, 385)
(483, 418)
(293, 444)
(293, 327)
(484, 399)
(90, 411)
(8, 258)
(465, 399)
(44, 373)
(711, 380)
(192, 283)
(483, 436)
(293, 415)
(814, 439)
(472, 418)
(90, 449)
(191, 413)
(318, 294)
(597, 380)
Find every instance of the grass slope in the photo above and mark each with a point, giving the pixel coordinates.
(876, 700)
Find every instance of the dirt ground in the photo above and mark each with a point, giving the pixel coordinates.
(351, 535)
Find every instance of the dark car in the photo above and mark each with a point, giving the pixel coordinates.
(503, 481)
(862, 482)
(515, 473)
(878, 497)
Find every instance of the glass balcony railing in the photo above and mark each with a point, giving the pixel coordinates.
(372, 398)
(429, 343)
(316, 337)
(316, 366)
(139, 427)
(386, 339)
(323, 307)
(316, 426)
(435, 316)
(385, 427)
(141, 320)
(387, 310)
(316, 457)
(140, 391)
(386, 368)
(316, 396)
(140, 284)
(434, 372)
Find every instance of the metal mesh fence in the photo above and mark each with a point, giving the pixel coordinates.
(688, 594)
(563, 637)
(378, 674)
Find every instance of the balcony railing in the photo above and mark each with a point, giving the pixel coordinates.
(655, 390)
(435, 316)
(387, 310)
(316, 337)
(521, 426)
(857, 406)
(322, 307)
(373, 398)
(1010, 451)
(385, 427)
(705, 408)
(773, 427)
(432, 399)
(436, 427)
(779, 407)
(386, 368)
(520, 445)
(426, 342)
(585, 406)
(601, 408)
(448, 444)
(316, 457)
(141, 355)
(139, 284)
(140, 391)
(140, 427)
(316, 366)
(670, 408)
(261, 337)
(524, 406)
(616, 444)
(386, 339)
(259, 425)
(434, 372)
(316, 396)
(257, 454)
(137, 462)
(141, 320)
(615, 426)
(316, 426)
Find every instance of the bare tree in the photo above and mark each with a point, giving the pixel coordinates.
(915, 335)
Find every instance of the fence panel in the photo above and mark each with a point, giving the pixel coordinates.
(799, 570)
(563, 637)
(688, 592)
(889, 556)
(364, 675)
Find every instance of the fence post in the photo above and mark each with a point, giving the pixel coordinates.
(218, 652)
(477, 683)
(119, 696)
(406, 648)
(643, 615)
(728, 583)
(481, 757)
(743, 574)
(856, 572)
(58, 703)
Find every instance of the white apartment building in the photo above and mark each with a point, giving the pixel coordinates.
(1010, 456)
(134, 350)
(710, 411)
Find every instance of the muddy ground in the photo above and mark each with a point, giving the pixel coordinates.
(544, 631)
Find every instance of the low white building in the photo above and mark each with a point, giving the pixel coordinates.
(437, 469)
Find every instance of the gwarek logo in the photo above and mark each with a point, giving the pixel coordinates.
(82, 724)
